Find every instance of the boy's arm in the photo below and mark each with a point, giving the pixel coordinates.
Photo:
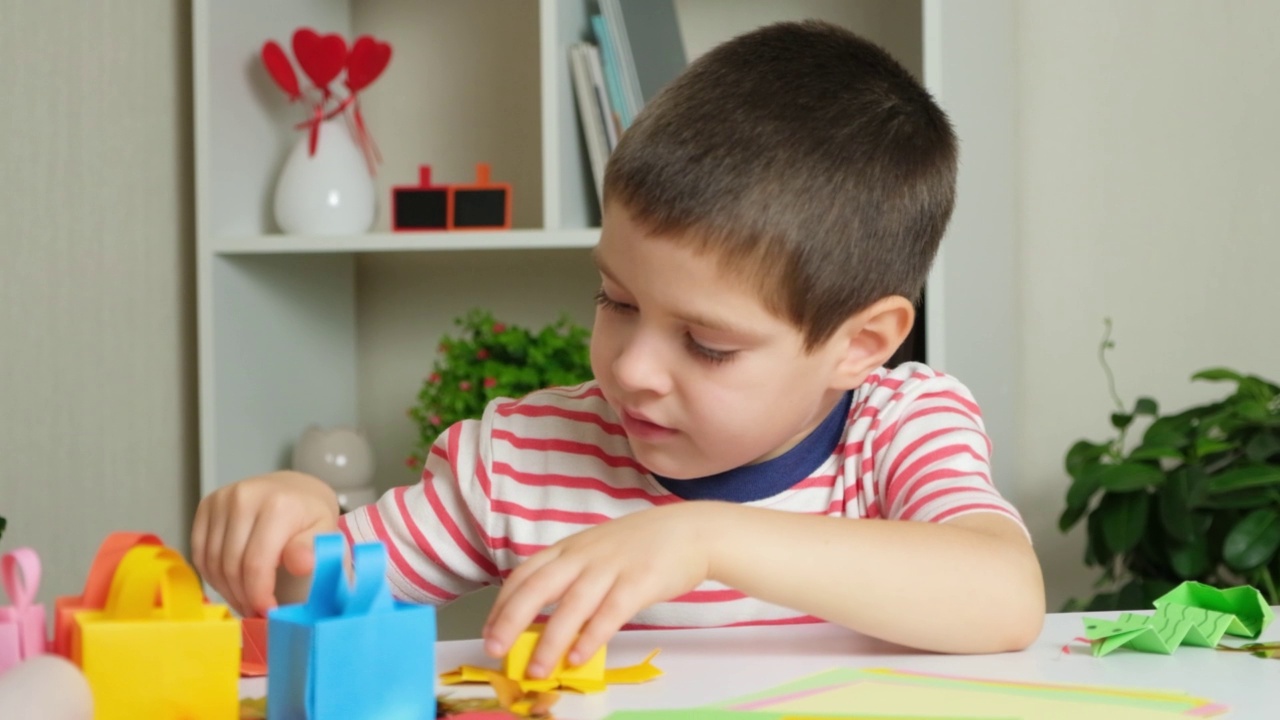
(971, 584)
(435, 531)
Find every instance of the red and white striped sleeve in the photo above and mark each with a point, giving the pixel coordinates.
(933, 458)
(435, 531)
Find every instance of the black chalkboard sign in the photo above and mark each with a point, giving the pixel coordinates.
(480, 208)
(420, 209)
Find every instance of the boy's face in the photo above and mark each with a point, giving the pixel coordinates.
(703, 376)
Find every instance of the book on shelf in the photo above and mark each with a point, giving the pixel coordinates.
(594, 115)
(647, 47)
(638, 49)
(612, 80)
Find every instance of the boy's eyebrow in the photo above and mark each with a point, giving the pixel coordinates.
(703, 321)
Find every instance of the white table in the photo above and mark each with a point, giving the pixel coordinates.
(708, 666)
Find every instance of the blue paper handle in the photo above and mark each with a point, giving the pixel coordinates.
(331, 595)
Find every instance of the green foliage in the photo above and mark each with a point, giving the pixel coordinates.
(1197, 497)
(491, 360)
(3, 522)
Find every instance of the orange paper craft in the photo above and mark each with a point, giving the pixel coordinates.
(96, 587)
(253, 647)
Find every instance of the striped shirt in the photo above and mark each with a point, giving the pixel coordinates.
(530, 472)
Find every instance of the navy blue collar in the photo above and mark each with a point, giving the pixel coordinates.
(762, 480)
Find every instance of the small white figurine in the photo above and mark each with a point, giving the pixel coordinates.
(340, 456)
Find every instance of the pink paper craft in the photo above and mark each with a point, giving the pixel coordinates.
(22, 626)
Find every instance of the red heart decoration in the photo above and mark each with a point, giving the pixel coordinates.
(368, 59)
(321, 56)
(280, 70)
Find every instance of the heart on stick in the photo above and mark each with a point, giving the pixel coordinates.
(280, 69)
(366, 62)
(321, 57)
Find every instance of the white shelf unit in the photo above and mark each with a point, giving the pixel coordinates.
(338, 330)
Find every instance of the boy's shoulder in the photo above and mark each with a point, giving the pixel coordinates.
(908, 384)
(572, 411)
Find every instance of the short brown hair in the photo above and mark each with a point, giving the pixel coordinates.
(807, 159)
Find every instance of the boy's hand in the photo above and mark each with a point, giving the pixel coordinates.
(599, 578)
(244, 532)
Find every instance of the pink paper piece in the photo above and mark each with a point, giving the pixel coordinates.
(22, 625)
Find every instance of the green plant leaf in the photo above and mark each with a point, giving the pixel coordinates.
(1263, 446)
(1146, 406)
(1132, 596)
(1175, 510)
(1121, 421)
(1257, 389)
(1245, 477)
(1130, 476)
(1253, 541)
(1084, 454)
(1168, 432)
(1206, 447)
(1246, 499)
(1190, 560)
(1123, 517)
(1096, 551)
(1155, 453)
(1079, 495)
(1218, 375)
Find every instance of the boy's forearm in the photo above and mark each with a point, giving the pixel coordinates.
(942, 587)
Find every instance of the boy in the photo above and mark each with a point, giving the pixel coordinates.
(742, 455)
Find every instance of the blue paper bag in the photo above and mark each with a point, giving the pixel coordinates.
(351, 652)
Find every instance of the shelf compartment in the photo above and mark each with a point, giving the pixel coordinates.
(277, 244)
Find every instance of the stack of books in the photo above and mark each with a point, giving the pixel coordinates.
(637, 50)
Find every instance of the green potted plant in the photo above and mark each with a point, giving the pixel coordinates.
(1195, 497)
(490, 359)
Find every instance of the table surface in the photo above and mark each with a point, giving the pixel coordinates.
(707, 666)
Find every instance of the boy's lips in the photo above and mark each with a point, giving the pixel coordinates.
(639, 426)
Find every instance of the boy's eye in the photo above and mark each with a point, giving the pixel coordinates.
(710, 355)
(609, 303)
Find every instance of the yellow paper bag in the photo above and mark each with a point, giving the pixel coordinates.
(179, 660)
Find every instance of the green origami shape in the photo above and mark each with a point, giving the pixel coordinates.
(1191, 614)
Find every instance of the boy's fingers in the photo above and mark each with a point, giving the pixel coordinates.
(614, 611)
(213, 547)
(299, 554)
(520, 609)
(512, 584)
(579, 603)
(263, 554)
(235, 538)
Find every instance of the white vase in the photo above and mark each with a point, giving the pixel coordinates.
(328, 193)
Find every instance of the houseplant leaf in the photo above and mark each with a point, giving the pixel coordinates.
(1218, 374)
(1168, 432)
(1175, 510)
(1263, 446)
(1253, 540)
(1190, 560)
(1245, 477)
(1123, 517)
(1129, 476)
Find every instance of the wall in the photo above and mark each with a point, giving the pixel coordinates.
(97, 341)
(1148, 194)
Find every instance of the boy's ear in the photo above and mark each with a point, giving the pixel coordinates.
(868, 339)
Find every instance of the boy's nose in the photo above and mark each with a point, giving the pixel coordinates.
(640, 367)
